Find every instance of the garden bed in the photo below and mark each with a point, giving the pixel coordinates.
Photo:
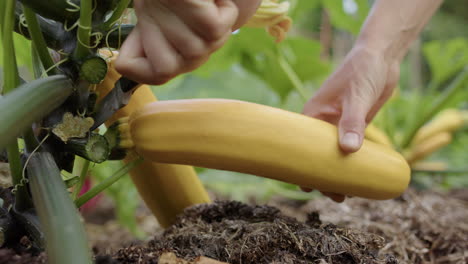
(424, 227)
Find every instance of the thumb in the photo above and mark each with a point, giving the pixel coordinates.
(352, 125)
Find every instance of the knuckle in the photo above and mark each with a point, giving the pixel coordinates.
(214, 29)
(194, 53)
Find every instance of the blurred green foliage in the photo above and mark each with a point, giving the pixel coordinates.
(123, 193)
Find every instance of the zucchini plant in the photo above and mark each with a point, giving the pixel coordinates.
(55, 119)
(57, 116)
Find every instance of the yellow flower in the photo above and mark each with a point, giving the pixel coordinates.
(272, 15)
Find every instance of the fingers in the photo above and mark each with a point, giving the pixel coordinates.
(352, 124)
(335, 197)
(132, 61)
(174, 37)
(339, 198)
(208, 19)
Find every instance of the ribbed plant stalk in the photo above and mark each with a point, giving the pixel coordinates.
(11, 77)
(38, 39)
(94, 147)
(11, 81)
(80, 168)
(116, 14)
(65, 236)
(59, 10)
(449, 93)
(107, 182)
(30, 102)
(84, 29)
(2, 16)
(292, 76)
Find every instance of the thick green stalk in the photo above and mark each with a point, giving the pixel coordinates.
(11, 81)
(38, 39)
(116, 14)
(84, 29)
(292, 76)
(2, 16)
(83, 166)
(59, 10)
(29, 103)
(65, 235)
(11, 77)
(107, 182)
(451, 91)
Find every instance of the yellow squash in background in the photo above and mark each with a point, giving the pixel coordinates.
(167, 189)
(265, 141)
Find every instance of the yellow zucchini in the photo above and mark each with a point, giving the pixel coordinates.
(448, 120)
(428, 146)
(429, 166)
(265, 141)
(376, 135)
(167, 189)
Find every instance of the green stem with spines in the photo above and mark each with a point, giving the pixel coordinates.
(11, 81)
(84, 29)
(107, 182)
(38, 39)
(118, 11)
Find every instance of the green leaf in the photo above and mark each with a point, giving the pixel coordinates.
(446, 58)
(301, 8)
(347, 14)
(234, 83)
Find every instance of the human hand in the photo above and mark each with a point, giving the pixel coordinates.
(352, 96)
(174, 37)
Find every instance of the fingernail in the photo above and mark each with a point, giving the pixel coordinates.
(350, 141)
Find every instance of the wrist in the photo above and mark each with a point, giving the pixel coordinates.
(377, 51)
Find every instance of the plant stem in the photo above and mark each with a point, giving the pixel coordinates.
(30, 140)
(38, 39)
(107, 182)
(2, 16)
(11, 81)
(292, 76)
(83, 166)
(65, 235)
(123, 4)
(452, 90)
(93, 147)
(84, 29)
(11, 77)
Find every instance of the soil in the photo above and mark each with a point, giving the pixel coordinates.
(418, 227)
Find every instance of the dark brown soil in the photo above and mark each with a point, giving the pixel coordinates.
(234, 232)
(417, 228)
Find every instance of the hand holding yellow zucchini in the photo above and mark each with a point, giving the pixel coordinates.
(265, 141)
